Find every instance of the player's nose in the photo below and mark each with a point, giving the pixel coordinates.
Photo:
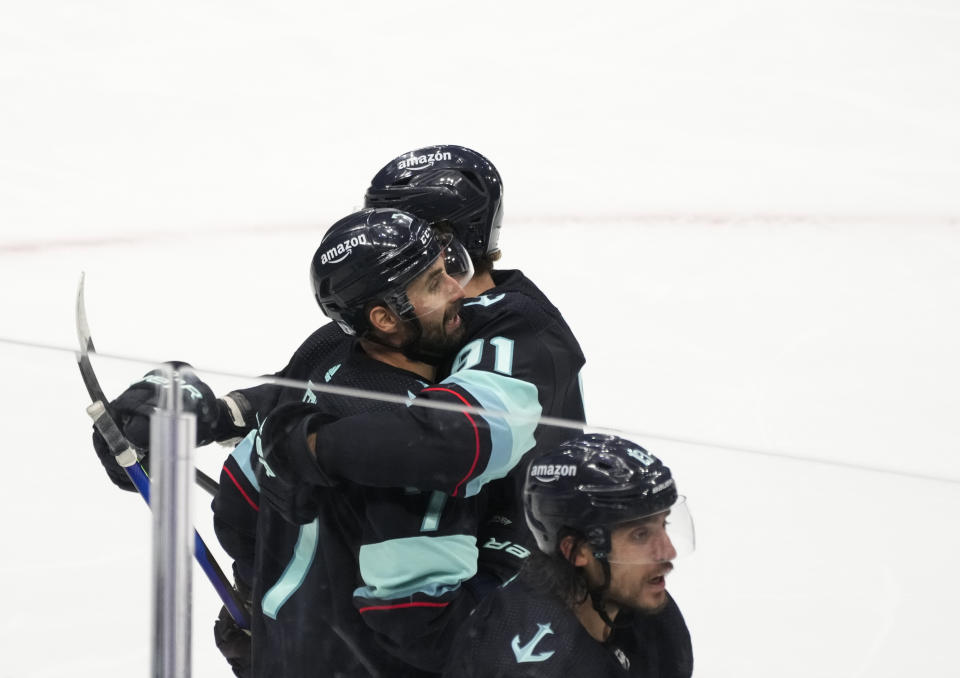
(664, 549)
(456, 291)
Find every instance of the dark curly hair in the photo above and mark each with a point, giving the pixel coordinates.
(555, 574)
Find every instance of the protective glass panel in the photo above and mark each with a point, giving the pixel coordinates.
(77, 555)
(412, 501)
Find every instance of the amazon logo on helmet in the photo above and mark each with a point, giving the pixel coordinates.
(342, 250)
(412, 161)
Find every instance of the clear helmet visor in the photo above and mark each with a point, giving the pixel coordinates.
(434, 300)
(658, 538)
(457, 260)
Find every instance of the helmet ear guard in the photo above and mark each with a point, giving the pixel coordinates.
(599, 539)
(398, 302)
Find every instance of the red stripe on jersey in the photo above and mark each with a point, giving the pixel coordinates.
(373, 608)
(476, 436)
(245, 495)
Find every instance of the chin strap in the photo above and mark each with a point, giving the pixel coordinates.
(598, 594)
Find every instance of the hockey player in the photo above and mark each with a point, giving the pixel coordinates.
(461, 191)
(390, 289)
(516, 340)
(593, 601)
(519, 356)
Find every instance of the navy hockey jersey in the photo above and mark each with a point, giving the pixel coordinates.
(518, 356)
(415, 587)
(306, 574)
(237, 503)
(519, 632)
(303, 621)
(407, 557)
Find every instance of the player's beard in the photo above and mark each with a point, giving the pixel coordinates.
(638, 597)
(436, 339)
(435, 342)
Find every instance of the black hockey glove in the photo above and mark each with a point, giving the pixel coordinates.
(232, 641)
(132, 409)
(290, 476)
(504, 547)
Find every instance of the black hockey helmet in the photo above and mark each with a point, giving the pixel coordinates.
(445, 183)
(371, 255)
(590, 484)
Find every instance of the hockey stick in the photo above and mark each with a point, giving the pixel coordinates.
(93, 384)
(127, 458)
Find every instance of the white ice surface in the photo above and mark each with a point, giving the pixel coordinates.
(748, 211)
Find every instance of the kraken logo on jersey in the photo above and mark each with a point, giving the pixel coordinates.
(485, 300)
(525, 653)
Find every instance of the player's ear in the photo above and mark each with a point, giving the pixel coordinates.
(576, 551)
(383, 320)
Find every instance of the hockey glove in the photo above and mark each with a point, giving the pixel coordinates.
(132, 410)
(232, 641)
(503, 547)
(290, 476)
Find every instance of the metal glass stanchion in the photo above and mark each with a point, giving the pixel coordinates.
(172, 435)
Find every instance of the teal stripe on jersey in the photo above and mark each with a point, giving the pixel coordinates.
(510, 437)
(398, 568)
(295, 572)
(242, 454)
